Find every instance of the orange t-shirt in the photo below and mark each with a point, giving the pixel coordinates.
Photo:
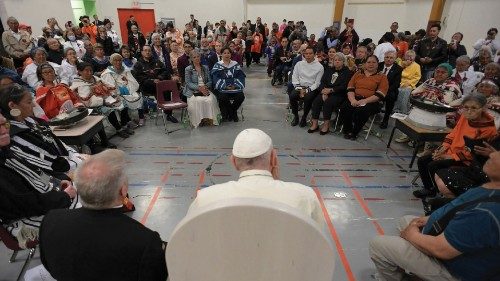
(454, 141)
(367, 86)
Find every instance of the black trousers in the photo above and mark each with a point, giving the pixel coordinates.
(354, 118)
(229, 103)
(256, 57)
(248, 58)
(148, 88)
(294, 97)
(332, 103)
(124, 119)
(281, 72)
(389, 106)
(428, 167)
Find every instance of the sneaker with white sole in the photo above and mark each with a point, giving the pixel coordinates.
(402, 139)
(142, 122)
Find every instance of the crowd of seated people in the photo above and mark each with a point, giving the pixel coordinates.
(86, 65)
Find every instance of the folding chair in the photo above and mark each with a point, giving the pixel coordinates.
(371, 125)
(12, 244)
(249, 239)
(175, 101)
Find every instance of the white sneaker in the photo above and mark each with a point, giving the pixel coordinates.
(402, 139)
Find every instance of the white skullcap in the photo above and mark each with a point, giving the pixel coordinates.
(251, 143)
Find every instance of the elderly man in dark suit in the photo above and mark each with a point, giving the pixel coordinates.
(393, 72)
(99, 242)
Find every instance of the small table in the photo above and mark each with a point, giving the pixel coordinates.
(80, 133)
(418, 135)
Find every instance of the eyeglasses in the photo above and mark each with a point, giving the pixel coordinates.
(471, 108)
(6, 125)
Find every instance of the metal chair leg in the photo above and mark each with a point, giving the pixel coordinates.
(370, 128)
(13, 257)
(26, 263)
(164, 122)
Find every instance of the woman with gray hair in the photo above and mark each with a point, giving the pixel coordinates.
(125, 85)
(202, 104)
(474, 126)
(39, 56)
(333, 89)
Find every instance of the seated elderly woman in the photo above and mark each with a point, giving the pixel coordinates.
(68, 66)
(364, 91)
(492, 72)
(98, 95)
(55, 98)
(474, 124)
(465, 75)
(202, 104)
(39, 56)
(485, 57)
(454, 181)
(128, 60)
(100, 61)
(52, 95)
(333, 89)
(24, 194)
(229, 82)
(125, 85)
(441, 88)
(33, 136)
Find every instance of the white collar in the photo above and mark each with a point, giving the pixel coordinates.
(254, 173)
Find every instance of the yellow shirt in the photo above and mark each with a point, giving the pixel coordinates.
(410, 76)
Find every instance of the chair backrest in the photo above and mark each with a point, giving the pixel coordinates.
(249, 240)
(9, 240)
(167, 85)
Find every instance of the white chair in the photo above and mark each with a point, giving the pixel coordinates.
(246, 239)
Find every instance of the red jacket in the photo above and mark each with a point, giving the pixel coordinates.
(52, 98)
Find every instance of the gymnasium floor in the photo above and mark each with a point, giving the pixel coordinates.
(364, 189)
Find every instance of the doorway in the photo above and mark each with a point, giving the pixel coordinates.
(144, 17)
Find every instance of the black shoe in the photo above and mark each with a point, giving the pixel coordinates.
(295, 121)
(96, 148)
(236, 118)
(122, 134)
(172, 119)
(111, 146)
(383, 125)
(129, 130)
(347, 136)
(324, 133)
(310, 131)
(423, 193)
(303, 123)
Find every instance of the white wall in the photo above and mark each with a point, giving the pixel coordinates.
(36, 12)
(373, 20)
(316, 14)
(203, 10)
(472, 18)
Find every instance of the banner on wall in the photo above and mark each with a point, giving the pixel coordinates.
(136, 5)
(167, 20)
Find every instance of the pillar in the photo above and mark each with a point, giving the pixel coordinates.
(436, 12)
(338, 10)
